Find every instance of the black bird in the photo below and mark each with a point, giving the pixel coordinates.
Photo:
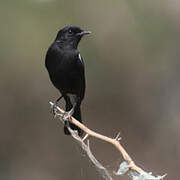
(66, 70)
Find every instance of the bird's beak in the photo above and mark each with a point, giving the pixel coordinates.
(84, 33)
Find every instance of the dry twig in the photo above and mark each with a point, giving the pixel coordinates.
(131, 166)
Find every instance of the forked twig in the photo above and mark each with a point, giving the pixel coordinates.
(131, 167)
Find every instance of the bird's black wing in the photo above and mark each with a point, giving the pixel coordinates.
(80, 64)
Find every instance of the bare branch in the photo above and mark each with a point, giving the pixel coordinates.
(129, 166)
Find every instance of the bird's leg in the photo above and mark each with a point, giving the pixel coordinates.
(53, 107)
(69, 113)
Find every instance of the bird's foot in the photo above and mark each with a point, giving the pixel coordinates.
(68, 114)
(53, 109)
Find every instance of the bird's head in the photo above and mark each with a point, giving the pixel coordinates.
(70, 35)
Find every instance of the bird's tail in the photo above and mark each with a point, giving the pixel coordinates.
(77, 116)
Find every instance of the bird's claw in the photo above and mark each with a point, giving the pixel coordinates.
(68, 114)
(53, 109)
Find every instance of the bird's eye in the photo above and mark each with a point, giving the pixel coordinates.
(70, 31)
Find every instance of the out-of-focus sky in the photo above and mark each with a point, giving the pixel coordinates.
(132, 63)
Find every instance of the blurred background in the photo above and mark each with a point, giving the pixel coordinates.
(133, 86)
